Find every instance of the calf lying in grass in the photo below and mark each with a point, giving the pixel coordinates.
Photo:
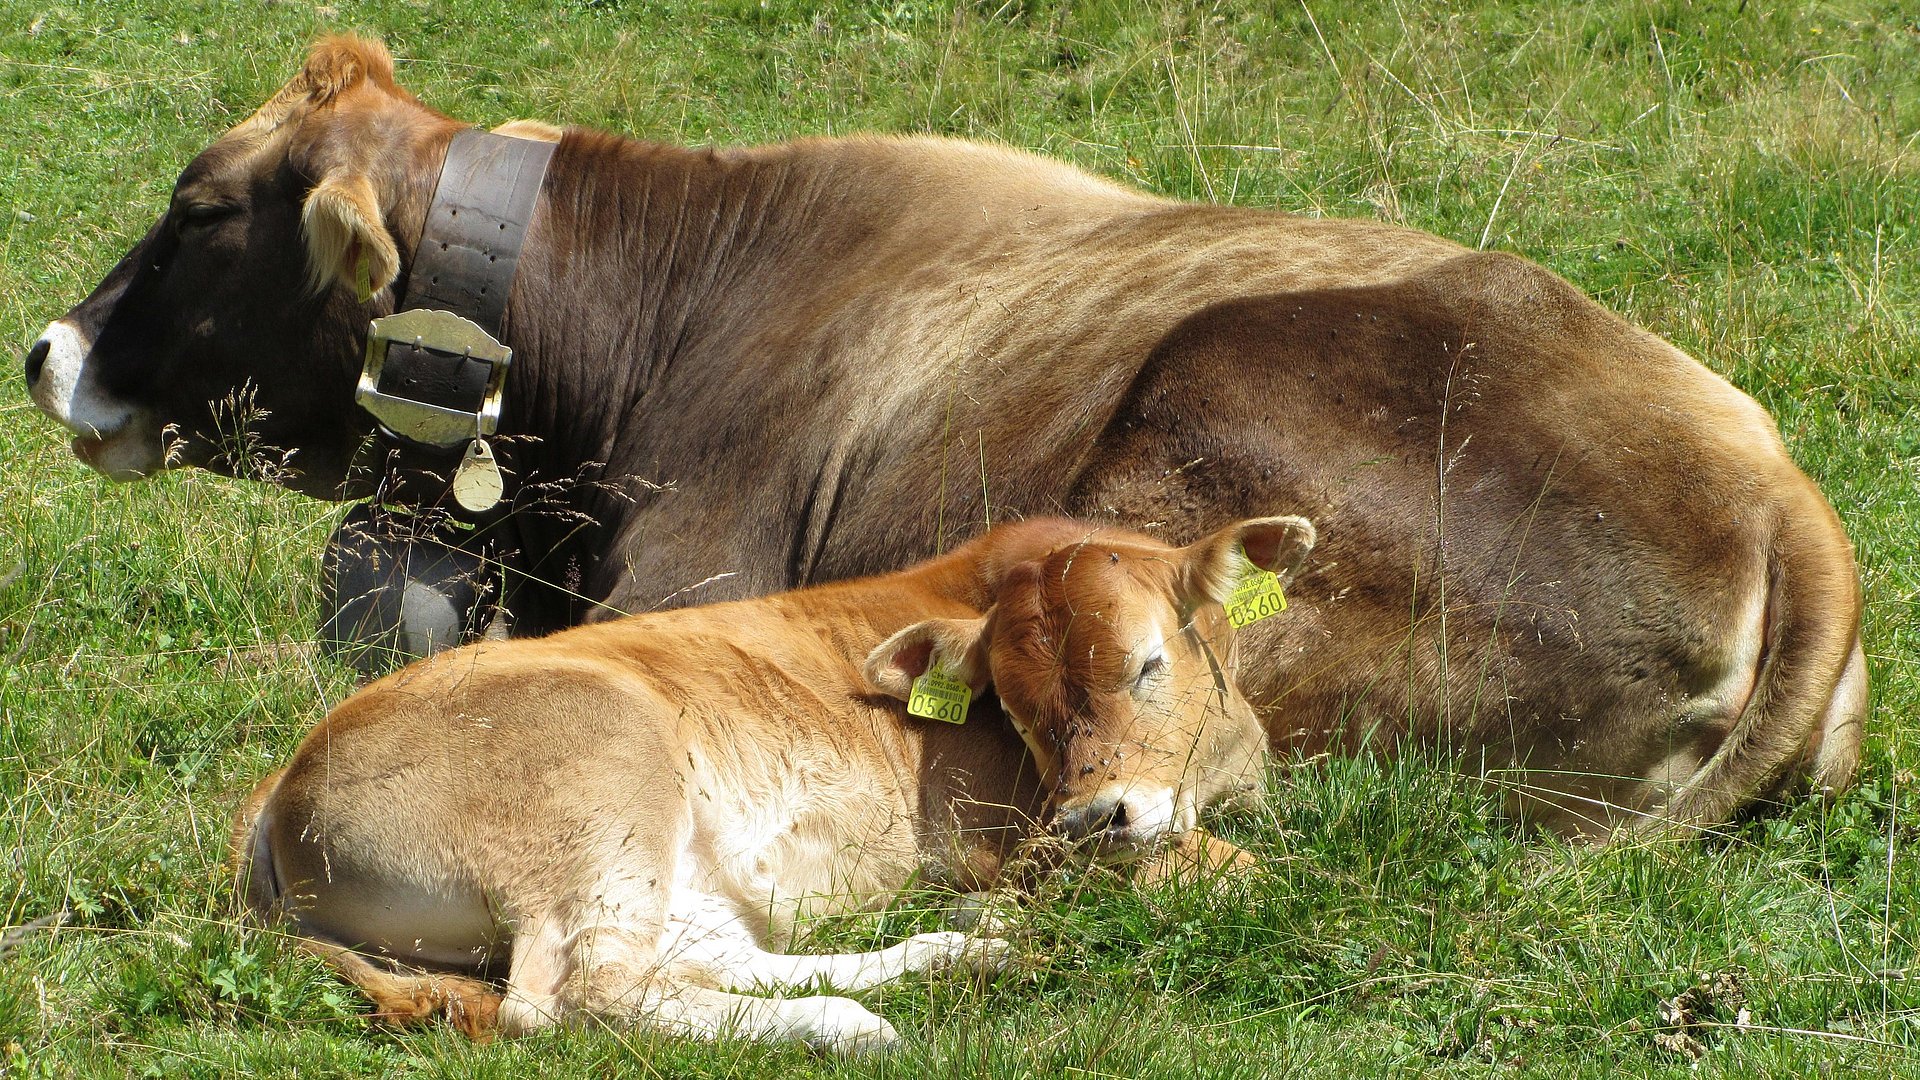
(624, 817)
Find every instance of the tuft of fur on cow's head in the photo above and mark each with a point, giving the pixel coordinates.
(334, 65)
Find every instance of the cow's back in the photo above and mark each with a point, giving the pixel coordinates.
(934, 334)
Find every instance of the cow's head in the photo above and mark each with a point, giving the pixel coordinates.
(233, 329)
(1111, 656)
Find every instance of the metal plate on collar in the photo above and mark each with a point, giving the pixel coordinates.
(450, 335)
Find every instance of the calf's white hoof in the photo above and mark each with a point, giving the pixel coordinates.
(847, 1028)
(945, 949)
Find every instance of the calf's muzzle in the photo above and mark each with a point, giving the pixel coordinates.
(1117, 818)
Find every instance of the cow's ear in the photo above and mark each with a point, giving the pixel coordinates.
(1211, 566)
(957, 646)
(347, 239)
(531, 130)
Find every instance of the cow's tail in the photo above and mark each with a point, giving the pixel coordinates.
(400, 995)
(1803, 722)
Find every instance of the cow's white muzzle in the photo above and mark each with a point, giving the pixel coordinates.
(110, 435)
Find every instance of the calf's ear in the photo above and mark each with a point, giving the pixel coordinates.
(347, 239)
(1211, 566)
(957, 646)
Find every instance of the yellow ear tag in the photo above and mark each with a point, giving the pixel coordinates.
(939, 696)
(1255, 596)
(363, 279)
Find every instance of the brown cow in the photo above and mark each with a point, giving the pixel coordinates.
(1554, 544)
(623, 816)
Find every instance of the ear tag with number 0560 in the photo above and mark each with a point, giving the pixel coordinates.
(937, 695)
(476, 483)
(1256, 596)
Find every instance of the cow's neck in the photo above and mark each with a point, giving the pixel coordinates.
(661, 292)
(627, 267)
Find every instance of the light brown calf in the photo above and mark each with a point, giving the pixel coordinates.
(623, 817)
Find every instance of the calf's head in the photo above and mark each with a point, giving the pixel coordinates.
(1112, 658)
(232, 330)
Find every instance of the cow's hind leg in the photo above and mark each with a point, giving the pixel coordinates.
(616, 975)
(834, 1024)
(709, 941)
(937, 951)
(400, 995)
(1835, 754)
(1802, 719)
(404, 996)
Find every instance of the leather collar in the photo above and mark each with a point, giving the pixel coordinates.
(470, 243)
(435, 371)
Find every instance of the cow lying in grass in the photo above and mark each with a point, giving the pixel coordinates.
(1558, 547)
(625, 816)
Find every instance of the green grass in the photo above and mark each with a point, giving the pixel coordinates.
(1741, 178)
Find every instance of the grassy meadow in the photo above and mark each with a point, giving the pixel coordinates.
(1741, 178)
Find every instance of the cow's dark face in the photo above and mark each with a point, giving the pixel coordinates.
(205, 345)
(228, 337)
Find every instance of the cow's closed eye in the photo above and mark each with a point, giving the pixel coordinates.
(1153, 665)
(205, 213)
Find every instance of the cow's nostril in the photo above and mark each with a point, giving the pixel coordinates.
(37, 360)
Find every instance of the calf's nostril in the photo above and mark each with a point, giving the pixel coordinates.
(37, 360)
(1092, 819)
(1074, 824)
